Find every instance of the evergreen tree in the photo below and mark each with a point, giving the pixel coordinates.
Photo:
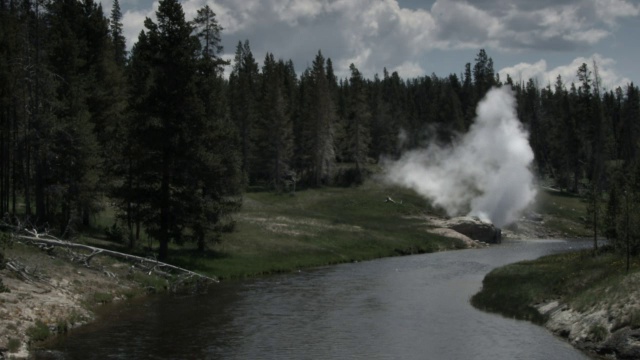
(629, 124)
(274, 130)
(359, 118)
(77, 41)
(243, 102)
(320, 124)
(394, 91)
(531, 115)
(384, 130)
(483, 74)
(448, 110)
(11, 88)
(468, 97)
(132, 164)
(117, 34)
(184, 178)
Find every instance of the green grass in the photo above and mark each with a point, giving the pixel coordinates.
(102, 298)
(13, 345)
(315, 227)
(38, 332)
(281, 233)
(581, 279)
(564, 212)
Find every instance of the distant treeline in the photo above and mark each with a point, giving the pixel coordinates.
(160, 132)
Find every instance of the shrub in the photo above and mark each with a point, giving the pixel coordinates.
(115, 233)
(598, 332)
(102, 298)
(13, 345)
(38, 332)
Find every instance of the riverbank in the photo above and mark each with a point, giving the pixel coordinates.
(588, 299)
(46, 294)
(316, 227)
(277, 233)
(273, 233)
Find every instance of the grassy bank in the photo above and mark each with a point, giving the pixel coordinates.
(513, 290)
(580, 280)
(563, 213)
(281, 233)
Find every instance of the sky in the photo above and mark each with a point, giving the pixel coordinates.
(538, 39)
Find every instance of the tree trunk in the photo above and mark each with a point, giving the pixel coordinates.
(164, 209)
(40, 200)
(132, 240)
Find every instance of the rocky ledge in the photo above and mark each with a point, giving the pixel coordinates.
(473, 231)
(604, 330)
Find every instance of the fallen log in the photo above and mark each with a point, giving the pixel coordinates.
(37, 240)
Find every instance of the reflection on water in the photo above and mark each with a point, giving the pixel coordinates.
(414, 307)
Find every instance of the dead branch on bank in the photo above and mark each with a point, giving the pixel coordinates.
(154, 265)
(389, 199)
(149, 266)
(24, 272)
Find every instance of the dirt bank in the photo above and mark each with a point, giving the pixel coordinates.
(607, 328)
(48, 293)
(51, 293)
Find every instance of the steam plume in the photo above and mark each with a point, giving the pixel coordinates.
(485, 173)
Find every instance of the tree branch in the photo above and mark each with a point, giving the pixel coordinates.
(38, 240)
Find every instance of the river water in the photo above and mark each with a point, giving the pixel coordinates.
(413, 307)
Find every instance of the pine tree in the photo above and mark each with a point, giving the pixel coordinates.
(483, 74)
(319, 128)
(128, 164)
(117, 34)
(10, 111)
(630, 126)
(243, 102)
(274, 129)
(394, 90)
(67, 172)
(384, 131)
(183, 176)
(358, 123)
(468, 97)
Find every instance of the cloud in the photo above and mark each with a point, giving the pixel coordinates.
(369, 34)
(133, 23)
(539, 72)
(462, 25)
(381, 33)
(523, 24)
(409, 69)
(610, 10)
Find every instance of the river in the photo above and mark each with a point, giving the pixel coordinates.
(413, 307)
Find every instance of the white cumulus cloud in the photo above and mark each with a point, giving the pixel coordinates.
(382, 33)
(539, 71)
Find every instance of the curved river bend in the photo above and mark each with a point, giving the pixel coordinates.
(414, 307)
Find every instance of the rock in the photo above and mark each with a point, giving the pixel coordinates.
(450, 233)
(625, 343)
(475, 229)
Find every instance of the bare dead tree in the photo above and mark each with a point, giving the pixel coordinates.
(83, 254)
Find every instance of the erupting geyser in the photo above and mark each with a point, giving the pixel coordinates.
(485, 173)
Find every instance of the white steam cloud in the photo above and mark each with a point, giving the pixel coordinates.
(485, 173)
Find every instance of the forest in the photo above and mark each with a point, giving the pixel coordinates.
(161, 135)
